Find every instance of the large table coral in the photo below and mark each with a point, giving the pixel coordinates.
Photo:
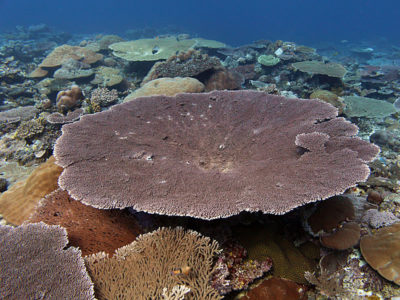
(35, 263)
(211, 155)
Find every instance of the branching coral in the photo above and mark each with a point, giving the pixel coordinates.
(148, 267)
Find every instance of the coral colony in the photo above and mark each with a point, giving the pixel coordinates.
(173, 167)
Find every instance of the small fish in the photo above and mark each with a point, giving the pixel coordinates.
(185, 270)
(155, 49)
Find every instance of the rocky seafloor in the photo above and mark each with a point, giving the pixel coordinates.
(345, 247)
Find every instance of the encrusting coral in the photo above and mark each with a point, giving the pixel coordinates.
(155, 263)
(211, 155)
(34, 264)
(92, 230)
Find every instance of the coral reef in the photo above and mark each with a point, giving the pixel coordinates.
(35, 264)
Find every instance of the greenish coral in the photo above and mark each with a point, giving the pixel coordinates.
(268, 60)
(203, 43)
(159, 48)
(150, 49)
(367, 107)
(320, 68)
(288, 261)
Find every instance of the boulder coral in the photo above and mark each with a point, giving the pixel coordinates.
(211, 155)
(167, 86)
(69, 99)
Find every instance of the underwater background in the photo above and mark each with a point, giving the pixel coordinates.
(232, 22)
(200, 149)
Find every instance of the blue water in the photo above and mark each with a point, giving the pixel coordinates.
(234, 22)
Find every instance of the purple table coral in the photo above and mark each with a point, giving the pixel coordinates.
(211, 155)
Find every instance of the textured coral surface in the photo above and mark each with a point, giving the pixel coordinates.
(34, 264)
(211, 155)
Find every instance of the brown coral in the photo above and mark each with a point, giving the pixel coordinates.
(34, 264)
(330, 213)
(277, 289)
(211, 155)
(144, 268)
(90, 229)
(382, 251)
(344, 237)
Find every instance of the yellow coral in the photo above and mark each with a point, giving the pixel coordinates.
(17, 203)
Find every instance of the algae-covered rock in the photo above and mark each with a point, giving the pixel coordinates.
(367, 107)
(107, 40)
(72, 69)
(29, 129)
(320, 68)
(150, 49)
(268, 60)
